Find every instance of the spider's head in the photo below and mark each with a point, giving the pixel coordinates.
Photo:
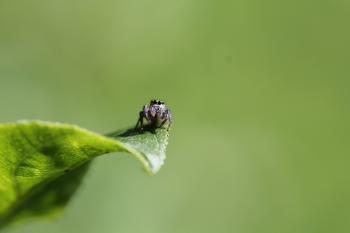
(157, 102)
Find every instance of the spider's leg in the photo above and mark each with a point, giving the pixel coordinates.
(137, 123)
(141, 124)
(169, 124)
(146, 117)
(140, 120)
(163, 122)
(145, 111)
(169, 119)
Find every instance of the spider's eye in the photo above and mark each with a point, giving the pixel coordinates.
(158, 102)
(161, 102)
(153, 101)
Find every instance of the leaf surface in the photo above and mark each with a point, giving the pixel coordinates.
(43, 163)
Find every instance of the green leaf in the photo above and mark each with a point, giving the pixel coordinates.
(42, 164)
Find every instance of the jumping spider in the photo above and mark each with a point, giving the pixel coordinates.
(156, 113)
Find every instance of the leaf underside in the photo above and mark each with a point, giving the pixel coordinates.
(42, 164)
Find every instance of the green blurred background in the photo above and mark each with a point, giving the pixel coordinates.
(259, 92)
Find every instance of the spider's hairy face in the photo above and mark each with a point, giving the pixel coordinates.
(157, 109)
(156, 113)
